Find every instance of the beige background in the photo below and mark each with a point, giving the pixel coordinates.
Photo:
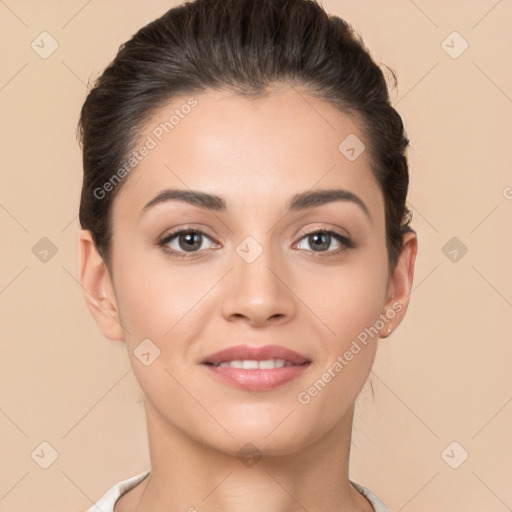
(443, 376)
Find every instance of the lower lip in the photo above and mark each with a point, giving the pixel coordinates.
(257, 380)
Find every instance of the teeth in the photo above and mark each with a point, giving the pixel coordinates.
(250, 364)
(271, 363)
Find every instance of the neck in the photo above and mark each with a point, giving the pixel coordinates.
(189, 476)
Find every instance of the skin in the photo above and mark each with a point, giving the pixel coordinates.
(256, 154)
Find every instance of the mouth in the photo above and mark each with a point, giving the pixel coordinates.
(254, 364)
(250, 354)
(256, 368)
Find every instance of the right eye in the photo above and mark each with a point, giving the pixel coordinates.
(187, 241)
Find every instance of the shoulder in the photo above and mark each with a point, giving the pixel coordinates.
(107, 502)
(376, 503)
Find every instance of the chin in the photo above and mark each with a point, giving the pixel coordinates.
(268, 436)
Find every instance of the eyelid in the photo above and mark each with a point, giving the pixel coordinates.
(328, 228)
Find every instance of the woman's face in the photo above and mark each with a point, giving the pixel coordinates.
(255, 277)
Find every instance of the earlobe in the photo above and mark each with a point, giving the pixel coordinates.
(97, 288)
(400, 284)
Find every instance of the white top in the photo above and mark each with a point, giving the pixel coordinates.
(108, 500)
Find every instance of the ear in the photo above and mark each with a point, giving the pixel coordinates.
(400, 285)
(98, 288)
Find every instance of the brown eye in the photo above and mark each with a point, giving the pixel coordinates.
(189, 241)
(184, 241)
(321, 240)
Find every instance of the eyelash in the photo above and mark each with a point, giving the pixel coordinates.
(346, 243)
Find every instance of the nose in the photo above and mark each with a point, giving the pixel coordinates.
(259, 292)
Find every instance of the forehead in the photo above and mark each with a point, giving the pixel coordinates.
(250, 150)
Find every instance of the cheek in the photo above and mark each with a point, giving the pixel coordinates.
(154, 298)
(349, 304)
(156, 304)
(347, 354)
(348, 299)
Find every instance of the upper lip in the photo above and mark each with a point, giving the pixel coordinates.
(262, 353)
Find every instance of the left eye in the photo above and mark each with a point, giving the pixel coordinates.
(322, 239)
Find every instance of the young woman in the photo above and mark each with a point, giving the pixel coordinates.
(245, 233)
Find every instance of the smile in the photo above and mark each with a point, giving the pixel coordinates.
(252, 364)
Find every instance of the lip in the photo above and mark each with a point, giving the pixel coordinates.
(240, 352)
(256, 379)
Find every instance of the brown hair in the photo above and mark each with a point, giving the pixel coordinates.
(244, 46)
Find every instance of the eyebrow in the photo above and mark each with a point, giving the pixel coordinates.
(299, 202)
